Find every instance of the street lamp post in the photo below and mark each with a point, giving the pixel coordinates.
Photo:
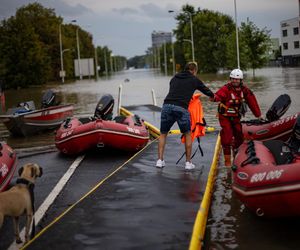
(237, 36)
(111, 63)
(192, 34)
(165, 59)
(96, 63)
(78, 51)
(105, 63)
(62, 75)
(190, 41)
(173, 59)
(158, 57)
(115, 63)
(78, 55)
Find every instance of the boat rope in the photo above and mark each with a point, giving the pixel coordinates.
(250, 151)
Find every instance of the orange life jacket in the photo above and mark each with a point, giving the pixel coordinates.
(197, 118)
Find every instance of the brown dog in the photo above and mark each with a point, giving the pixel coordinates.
(19, 200)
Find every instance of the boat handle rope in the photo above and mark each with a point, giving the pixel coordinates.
(138, 121)
(67, 123)
(255, 122)
(250, 147)
(250, 151)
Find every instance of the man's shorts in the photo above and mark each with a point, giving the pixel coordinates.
(170, 114)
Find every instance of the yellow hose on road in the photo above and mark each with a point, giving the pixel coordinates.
(201, 219)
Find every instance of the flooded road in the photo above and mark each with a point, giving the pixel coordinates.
(230, 225)
(136, 89)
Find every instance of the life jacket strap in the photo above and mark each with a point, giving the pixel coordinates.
(199, 147)
(227, 111)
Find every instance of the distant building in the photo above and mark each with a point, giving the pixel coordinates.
(290, 42)
(160, 37)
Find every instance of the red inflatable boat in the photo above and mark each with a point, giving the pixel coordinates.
(78, 135)
(273, 127)
(8, 164)
(266, 178)
(264, 130)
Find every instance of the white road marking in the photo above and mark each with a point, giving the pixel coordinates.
(39, 214)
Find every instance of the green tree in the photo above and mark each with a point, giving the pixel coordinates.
(256, 42)
(102, 58)
(231, 53)
(30, 50)
(211, 31)
(182, 48)
(137, 62)
(26, 46)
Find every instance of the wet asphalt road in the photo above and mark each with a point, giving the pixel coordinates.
(54, 166)
(96, 165)
(137, 207)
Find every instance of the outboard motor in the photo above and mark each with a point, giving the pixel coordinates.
(278, 108)
(49, 99)
(294, 141)
(104, 108)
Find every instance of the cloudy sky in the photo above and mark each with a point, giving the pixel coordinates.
(125, 26)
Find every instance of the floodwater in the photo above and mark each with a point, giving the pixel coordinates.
(137, 86)
(230, 225)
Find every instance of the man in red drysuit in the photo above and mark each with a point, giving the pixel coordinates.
(232, 98)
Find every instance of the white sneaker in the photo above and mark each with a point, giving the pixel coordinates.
(189, 166)
(160, 163)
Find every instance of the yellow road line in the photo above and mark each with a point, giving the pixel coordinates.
(201, 219)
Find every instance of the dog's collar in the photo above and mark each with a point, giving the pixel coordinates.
(25, 182)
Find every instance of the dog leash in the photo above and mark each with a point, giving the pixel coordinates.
(30, 187)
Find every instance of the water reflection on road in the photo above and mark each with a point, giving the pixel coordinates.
(230, 225)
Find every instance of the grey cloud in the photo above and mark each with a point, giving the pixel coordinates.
(67, 10)
(125, 11)
(9, 7)
(149, 10)
(153, 10)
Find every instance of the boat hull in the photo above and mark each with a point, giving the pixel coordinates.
(74, 136)
(266, 188)
(279, 130)
(33, 122)
(8, 164)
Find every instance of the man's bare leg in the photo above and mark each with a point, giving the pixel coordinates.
(188, 146)
(161, 145)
